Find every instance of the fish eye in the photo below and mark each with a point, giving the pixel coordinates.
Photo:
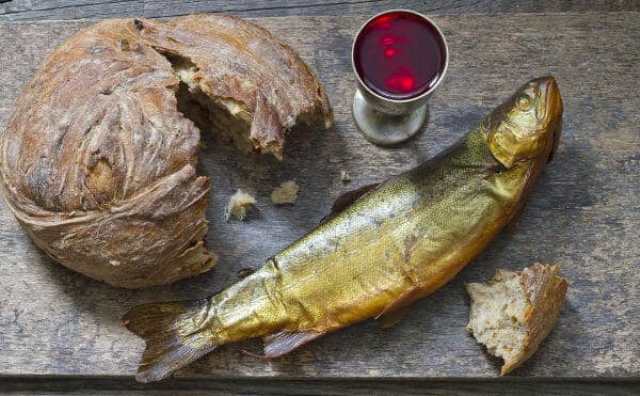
(523, 102)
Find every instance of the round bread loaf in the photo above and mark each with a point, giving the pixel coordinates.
(98, 161)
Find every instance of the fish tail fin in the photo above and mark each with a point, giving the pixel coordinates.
(173, 333)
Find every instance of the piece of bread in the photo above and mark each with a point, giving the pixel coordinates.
(239, 205)
(285, 193)
(515, 311)
(98, 162)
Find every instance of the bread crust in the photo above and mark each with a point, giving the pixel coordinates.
(545, 291)
(98, 163)
(529, 314)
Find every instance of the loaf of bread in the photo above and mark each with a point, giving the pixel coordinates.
(515, 311)
(98, 162)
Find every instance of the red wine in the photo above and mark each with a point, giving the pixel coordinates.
(399, 55)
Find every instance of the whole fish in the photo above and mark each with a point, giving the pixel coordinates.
(383, 247)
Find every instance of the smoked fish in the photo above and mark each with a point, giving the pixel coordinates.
(381, 249)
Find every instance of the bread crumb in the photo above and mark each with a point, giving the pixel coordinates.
(286, 193)
(239, 205)
(345, 177)
(515, 311)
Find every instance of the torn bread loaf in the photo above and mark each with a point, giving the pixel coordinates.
(515, 311)
(98, 161)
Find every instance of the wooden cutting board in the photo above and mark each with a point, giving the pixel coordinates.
(584, 213)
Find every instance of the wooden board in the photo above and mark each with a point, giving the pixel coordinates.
(22, 10)
(311, 387)
(584, 213)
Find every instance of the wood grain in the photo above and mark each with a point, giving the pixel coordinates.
(583, 215)
(28, 10)
(309, 387)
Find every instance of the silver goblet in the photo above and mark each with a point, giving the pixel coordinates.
(388, 121)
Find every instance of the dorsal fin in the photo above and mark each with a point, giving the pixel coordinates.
(345, 200)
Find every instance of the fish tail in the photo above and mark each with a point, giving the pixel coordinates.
(174, 335)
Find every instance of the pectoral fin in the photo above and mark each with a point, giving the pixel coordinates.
(392, 318)
(244, 272)
(282, 343)
(396, 310)
(345, 200)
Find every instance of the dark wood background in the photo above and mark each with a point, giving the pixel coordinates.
(60, 331)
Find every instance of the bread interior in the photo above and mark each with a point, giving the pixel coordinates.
(227, 118)
(498, 314)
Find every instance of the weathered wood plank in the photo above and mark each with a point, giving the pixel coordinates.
(68, 9)
(153, 8)
(584, 213)
(310, 387)
(15, 10)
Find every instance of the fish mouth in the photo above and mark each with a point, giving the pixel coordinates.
(552, 111)
(552, 99)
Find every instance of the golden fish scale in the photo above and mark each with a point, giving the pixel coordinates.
(396, 244)
(399, 242)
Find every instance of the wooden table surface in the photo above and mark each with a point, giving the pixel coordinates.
(57, 327)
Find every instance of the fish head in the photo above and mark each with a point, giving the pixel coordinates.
(527, 126)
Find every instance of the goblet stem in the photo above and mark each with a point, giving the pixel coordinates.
(385, 129)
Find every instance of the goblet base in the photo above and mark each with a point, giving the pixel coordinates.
(385, 129)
